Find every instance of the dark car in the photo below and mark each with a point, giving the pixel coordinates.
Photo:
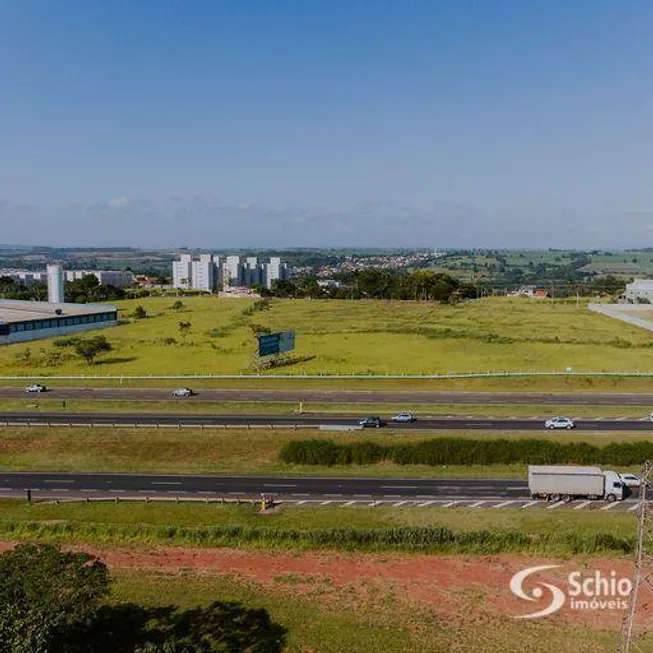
(371, 423)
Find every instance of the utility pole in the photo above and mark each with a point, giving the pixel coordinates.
(636, 631)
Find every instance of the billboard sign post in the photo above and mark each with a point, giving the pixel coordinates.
(273, 344)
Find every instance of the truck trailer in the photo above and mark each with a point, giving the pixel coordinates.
(568, 482)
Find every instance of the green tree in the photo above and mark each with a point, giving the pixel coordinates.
(139, 313)
(89, 348)
(45, 594)
(178, 305)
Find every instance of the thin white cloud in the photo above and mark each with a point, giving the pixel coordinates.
(119, 202)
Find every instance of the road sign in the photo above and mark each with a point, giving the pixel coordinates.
(272, 344)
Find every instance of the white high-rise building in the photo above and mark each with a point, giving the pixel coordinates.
(209, 272)
(203, 273)
(55, 284)
(253, 274)
(233, 270)
(275, 270)
(182, 272)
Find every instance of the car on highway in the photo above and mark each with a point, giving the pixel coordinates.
(631, 480)
(182, 392)
(404, 417)
(371, 422)
(35, 387)
(559, 423)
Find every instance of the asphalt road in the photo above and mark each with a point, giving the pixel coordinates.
(256, 485)
(408, 398)
(167, 419)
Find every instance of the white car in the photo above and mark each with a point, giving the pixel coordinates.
(404, 417)
(182, 392)
(35, 387)
(559, 423)
(631, 480)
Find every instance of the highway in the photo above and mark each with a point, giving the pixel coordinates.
(189, 420)
(53, 482)
(398, 397)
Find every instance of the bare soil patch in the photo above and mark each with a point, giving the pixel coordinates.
(452, 585)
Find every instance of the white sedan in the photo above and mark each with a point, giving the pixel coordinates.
(559, 423)
(35, 387)
(404, 417)
(631, 480)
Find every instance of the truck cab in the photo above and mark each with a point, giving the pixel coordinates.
(614, 486)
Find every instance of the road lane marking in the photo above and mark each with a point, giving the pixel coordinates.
(424, 504)
(505, 503)
(476, 504)
(349, 503)
(325, 503)
(529, 504)
(610, 506)
(582, 505)
(399, 503)
(557, 504)
(301, 503)
(450, 504)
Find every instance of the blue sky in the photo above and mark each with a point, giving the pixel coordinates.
(253, 123)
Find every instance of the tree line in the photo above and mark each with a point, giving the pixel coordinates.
(465, 451)
(423, 285)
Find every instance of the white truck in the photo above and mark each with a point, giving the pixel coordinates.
(568, 482)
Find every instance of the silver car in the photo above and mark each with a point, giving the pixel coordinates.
(182, 392)
(559, 423)
(404, 417)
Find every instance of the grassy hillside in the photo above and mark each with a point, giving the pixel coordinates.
(355, 337)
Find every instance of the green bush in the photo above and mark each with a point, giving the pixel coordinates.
(466, 451)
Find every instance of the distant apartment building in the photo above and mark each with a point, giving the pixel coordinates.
(117, 278)
(25, 277)
(182, 271)
(275, 270)
(209, 272)
(252, 272)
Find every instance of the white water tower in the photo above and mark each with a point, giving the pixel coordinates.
(55, 284)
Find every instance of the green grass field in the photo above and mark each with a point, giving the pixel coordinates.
(357, 337)
(322, 618)
(236, 451)
(532, 522)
